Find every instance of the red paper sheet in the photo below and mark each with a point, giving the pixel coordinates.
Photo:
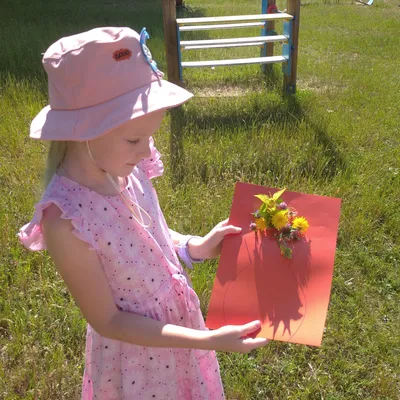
(254, 281)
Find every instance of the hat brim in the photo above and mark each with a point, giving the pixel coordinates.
(91, 122)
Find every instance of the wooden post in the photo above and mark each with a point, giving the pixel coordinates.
(171, 40)
(270, 26)
(289, 82)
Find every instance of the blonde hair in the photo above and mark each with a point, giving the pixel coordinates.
(55, 156)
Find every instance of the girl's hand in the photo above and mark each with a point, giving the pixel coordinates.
(235, 338)
(210, 245)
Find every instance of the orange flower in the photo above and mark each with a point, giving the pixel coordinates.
(260, 224)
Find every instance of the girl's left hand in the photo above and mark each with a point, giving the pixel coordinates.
(210, 245)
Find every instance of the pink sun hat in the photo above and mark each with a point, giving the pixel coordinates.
(99, 80)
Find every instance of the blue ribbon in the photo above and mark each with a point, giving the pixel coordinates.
(147, 54)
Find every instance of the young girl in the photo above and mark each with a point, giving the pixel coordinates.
(101, 222)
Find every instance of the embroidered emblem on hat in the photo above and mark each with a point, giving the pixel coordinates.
(147, 54)
(122, 54)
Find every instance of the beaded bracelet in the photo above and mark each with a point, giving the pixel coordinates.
(182, 249)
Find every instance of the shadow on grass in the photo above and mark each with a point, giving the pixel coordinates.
(28, 28)
(289, 115)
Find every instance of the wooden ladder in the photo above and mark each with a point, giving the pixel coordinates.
(268, 37)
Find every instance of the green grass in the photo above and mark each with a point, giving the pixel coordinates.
(339, 136)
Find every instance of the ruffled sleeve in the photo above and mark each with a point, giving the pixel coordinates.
(31, 234)
(152, 166)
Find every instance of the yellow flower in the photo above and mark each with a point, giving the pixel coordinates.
(260, 223)
(301, 224)
(280, 219)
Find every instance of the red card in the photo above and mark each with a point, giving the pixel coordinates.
(255, 282)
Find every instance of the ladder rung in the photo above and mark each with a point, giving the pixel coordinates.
(263, 39)
(225, 46)
(262, 17)
(222, 26)
(239, 61)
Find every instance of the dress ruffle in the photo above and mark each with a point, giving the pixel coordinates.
(31, 234)
(152, 166)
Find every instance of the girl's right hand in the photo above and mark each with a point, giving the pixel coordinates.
(235, 338)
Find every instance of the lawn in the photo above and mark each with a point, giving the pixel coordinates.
(339, 136)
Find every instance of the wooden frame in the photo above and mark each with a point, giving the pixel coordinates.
(171, 40)
(266, 20)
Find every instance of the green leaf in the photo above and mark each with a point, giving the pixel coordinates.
(263, 197)
(276, 195)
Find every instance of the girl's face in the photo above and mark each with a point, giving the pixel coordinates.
(118, 151)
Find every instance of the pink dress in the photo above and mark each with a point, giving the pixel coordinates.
(145, 278)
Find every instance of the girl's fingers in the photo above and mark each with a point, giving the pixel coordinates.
(255, 343)
(226, 230)
(249, 328)
(249, 342)
(212, 242)
(224, 222)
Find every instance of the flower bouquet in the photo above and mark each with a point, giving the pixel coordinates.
(276, 215)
